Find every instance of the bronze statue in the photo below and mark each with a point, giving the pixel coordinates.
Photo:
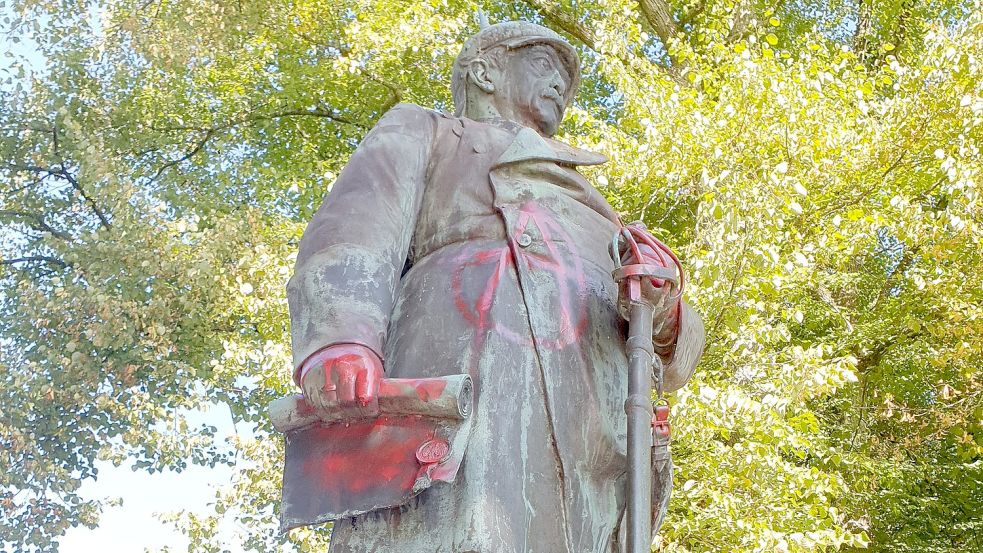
(469, 245)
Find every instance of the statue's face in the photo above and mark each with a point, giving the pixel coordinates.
(535, 81)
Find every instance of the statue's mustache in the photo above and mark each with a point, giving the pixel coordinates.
(552, 94)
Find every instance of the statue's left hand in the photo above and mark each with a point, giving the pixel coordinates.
(657, 291)
(663, 295)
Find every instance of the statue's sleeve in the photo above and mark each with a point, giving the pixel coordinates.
(352, 252)
(681, 358)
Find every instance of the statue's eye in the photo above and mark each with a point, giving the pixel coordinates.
(544, 64)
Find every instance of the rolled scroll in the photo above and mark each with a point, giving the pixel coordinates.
(446, 397)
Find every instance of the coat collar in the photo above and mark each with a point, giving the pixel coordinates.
(528, 145)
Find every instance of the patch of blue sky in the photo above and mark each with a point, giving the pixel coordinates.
(134, 524)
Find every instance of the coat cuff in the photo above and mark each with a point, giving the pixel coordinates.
(301, 369)
(680, 359)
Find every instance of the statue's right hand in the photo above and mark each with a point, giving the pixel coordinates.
(343, 378)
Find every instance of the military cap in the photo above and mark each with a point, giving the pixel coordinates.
(512, 35)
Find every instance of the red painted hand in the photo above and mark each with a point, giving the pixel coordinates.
(343, 377)
(661, 293)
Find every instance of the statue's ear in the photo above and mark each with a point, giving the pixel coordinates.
(479, 73)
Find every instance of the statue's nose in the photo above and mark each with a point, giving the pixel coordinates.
(558, 84)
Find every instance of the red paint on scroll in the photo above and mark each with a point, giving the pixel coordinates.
(375, 456)
(427, 389)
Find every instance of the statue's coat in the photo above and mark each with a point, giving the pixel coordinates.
(449, 245)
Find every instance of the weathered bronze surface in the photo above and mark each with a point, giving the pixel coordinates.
(470, 244)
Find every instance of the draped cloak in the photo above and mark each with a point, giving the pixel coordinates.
(454, 246)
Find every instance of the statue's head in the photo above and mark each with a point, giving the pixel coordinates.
(518, 71)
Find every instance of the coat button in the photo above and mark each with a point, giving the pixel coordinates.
(524, 240)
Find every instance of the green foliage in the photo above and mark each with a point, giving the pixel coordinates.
(815, 164)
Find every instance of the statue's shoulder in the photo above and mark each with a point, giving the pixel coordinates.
(422, 125)
(410, 115)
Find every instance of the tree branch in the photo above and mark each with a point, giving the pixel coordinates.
(907, 261)
(826, 297)
(38, 179)
(197, 148)
(253, 117)
(38, 222)
(904, 23)
(861, 36)
(63, 174)
(92, 203)
(396, 95)
(860, 411)
(688, 17)
(74, 182)
(35, 259)
(874, 356)
(210, 132)
(659, 15)
(737, 276)
(555, 14)
(319, 112)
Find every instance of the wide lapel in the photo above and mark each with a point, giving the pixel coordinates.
(528, 145)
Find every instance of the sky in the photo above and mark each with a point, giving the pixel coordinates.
(133, 526)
